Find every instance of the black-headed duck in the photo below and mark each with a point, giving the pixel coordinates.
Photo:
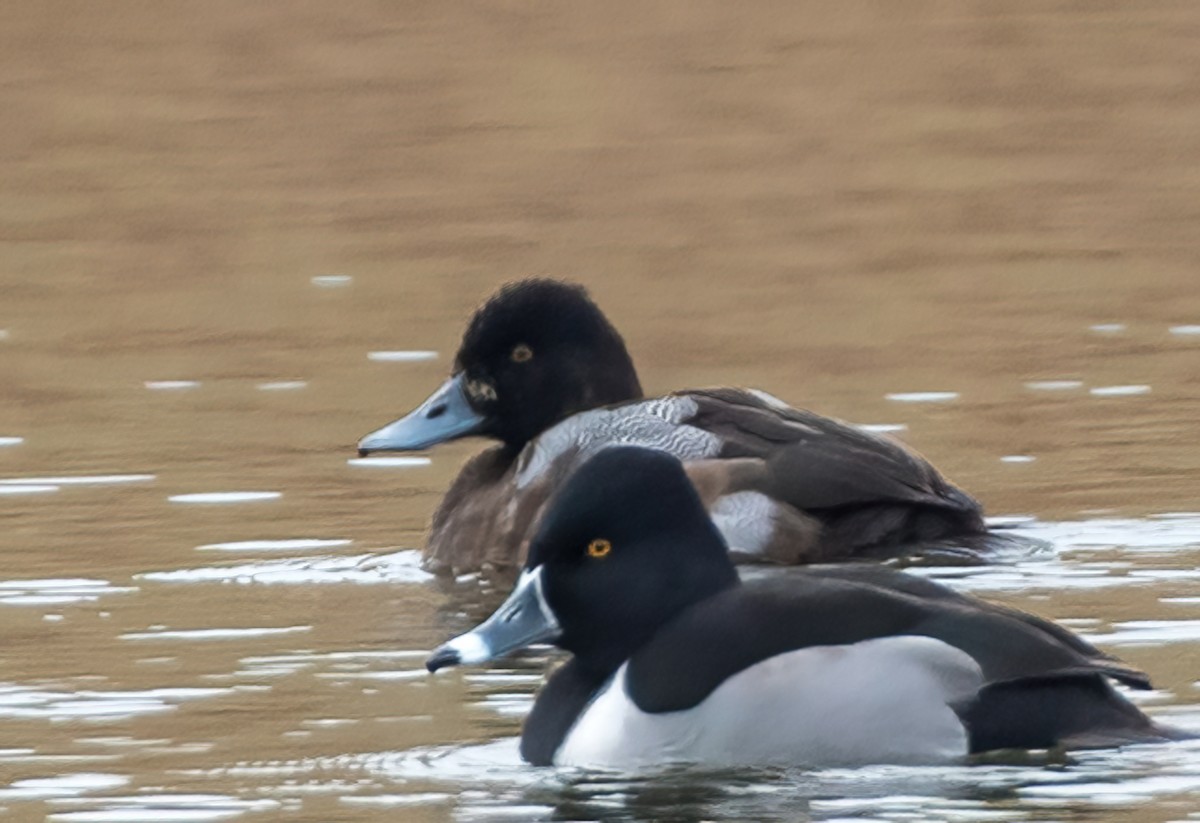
(543, 371)
(674, 660)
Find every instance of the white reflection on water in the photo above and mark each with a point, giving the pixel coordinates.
(402, 356)
(224, 497)
(332, 280)
(478, 775)
(25, 702)
(923, 396)
(78, 480)
(172, 385)
(25, 489)
(160, 808)
(214, 634)
(60, 786)
(282, 385)
(1088, 554)
(1119, 391)
(393, 567)
(488, 781)
(1054, 385)
(56, 591)
(298, 544)
(389, 462)
(1149, 632)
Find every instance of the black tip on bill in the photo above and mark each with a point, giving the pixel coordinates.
(364, 452)
(441, 658)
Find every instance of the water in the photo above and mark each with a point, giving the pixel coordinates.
(212, 220)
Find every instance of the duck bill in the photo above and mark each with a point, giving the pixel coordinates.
(446, 415)
(525, 618)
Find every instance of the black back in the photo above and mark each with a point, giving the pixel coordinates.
(706, 645)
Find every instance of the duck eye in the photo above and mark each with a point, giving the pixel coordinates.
(521, 353)
(599, 548)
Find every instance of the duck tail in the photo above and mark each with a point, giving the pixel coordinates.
(1077, 711)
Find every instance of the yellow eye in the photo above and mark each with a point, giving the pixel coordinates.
(599, 548)
(521, 353)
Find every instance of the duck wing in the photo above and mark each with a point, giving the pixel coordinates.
(867, 490)
(692, 655)
(819, 462)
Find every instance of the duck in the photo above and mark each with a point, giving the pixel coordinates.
(542, 371)
(674, 660)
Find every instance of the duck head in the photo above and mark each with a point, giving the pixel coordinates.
(537, 352)
(626, 546)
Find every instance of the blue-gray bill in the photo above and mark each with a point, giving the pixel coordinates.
(446, 415)
(524, 618)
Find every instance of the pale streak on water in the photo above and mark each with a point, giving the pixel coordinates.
(212, 220)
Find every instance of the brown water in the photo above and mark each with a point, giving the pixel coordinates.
(832, 204)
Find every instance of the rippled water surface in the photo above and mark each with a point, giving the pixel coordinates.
(234, 238)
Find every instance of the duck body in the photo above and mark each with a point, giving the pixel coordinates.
(791, 672)
(681, 662)
(543, 371)
(781, 484)
(807, 695)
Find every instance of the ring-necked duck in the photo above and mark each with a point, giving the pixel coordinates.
(543, 371)
(675, 660)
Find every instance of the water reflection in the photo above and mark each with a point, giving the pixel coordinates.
(224, 497)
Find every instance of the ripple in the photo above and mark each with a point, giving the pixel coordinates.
(1149, 633)
(1071, 568)
(496, 759)
(488, 781)
(1017, 458)
(22, 702)
(395, 567)
(1108, 328)
(923, 396)
(213, 634)
(1006, 520)
(11, 441)
(1054, 385)
(402, 356)
(883, 428)
(162, 808)
(274, 665)
(1119, 391)
(1172, 532)
(419, 799)
(25, 489)
(172, 385)
(332, 281)
(78, 480)
(66, 785)
(299, 544)
(389, 462)
(224, 497)
(1185, 331)
(282, 385)
(56, 591)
